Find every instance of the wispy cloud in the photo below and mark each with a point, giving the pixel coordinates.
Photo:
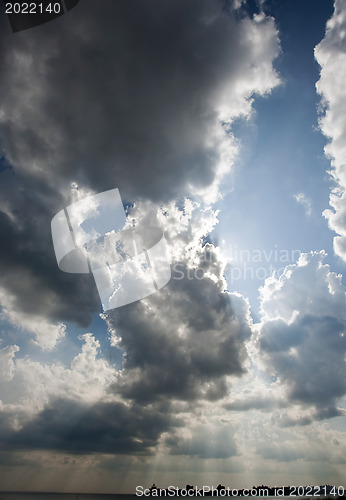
(305, 201)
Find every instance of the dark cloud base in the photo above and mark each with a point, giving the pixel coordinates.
(76, 428)
(181, 343)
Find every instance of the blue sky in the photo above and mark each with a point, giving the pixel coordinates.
(281, 155)
(222, 123)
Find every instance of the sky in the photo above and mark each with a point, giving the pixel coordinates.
(223, 123)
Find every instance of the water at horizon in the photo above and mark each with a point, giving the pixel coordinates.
(109, 496)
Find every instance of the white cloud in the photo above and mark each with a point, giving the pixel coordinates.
(154, 124)
(308, 287)
(330, 53)
(7, 366)
(46, 334)
(304, 200)
(155, 127)
(158, 127)
(28, 386)
(302, 335)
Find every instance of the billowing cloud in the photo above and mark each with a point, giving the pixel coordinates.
(302, 334)
(32, 285)
(6, 362)
(46, 334)
(133, 96)
(183, 342)
(105, 428)
(122, 96)
(28, 385)
(140, 99)
(330, 53)
(182, 346)
(70, 409)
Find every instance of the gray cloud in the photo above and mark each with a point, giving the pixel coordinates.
(74, 427)
(182, 342)
(323, 413)
(181, 346)
(314, 370)
(28, 266)
(302, 335)
(128, 95)
(131, 97)
(120, 96)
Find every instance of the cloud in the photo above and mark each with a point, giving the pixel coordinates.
(330, 53)
(71, 409)
(313, 444)
(90, 407)
(141, 99)
(6, 362)
(183, 342)
(28, 385)
(46, 334)
(120, 94)
(305, 201)
(270, 446)
(302, 333)
(32, 286)
(70, 426)
(304, 418)
(182, 345)
(137, 99)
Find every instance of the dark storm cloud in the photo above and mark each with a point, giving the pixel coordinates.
(115, 94)
(314, 367)
(28, 266)
(73, 427)
(123, 93)
(302, 337)
(183, 342)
